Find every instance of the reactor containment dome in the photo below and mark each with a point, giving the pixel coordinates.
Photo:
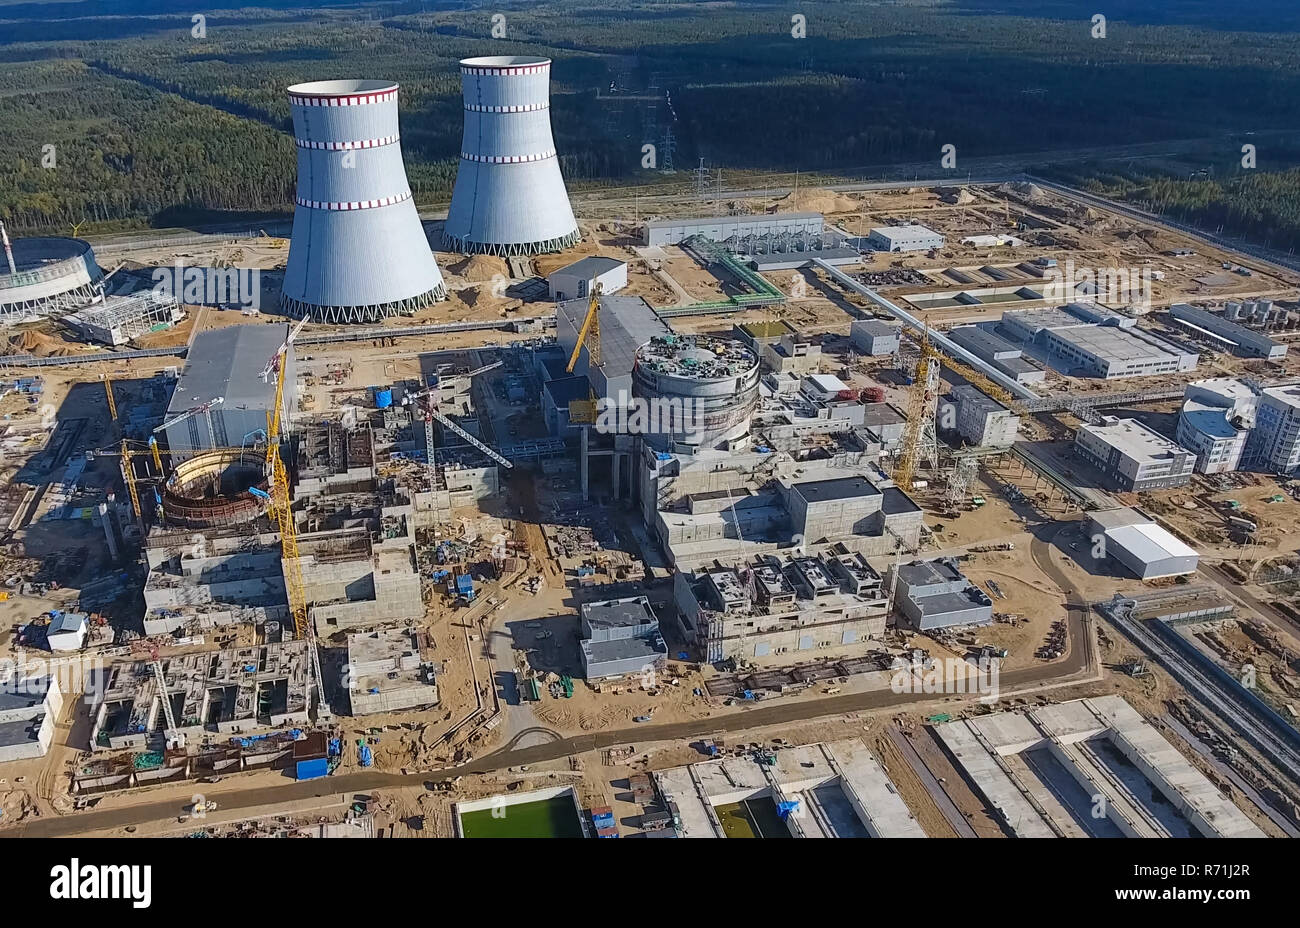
(358, 252)
(698, 390)
(47, 277)
(509, 197)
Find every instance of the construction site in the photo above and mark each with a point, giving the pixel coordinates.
(780, 455)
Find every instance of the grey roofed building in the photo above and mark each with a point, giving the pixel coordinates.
(620, 636)
(1141, 545)
(590, 266)
(721, 228)
(228, 363)
(936, 594)
(626, 323)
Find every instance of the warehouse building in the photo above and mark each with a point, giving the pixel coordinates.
(909, 237)
(775, 604)
(1216, 421)
(1097, 342)
(997, 351)
(227, 364)
(721, 228)
(1246, 342)
(1132, 457)
(620, 636)
(982, 420)
(936, 594)
(1137, 542)
(579, 280)
(875, 337)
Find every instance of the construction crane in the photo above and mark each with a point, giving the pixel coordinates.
(919, 435)
(204, 409)
(584, 411)
(281, 503)
(484, 369)
(431, 414)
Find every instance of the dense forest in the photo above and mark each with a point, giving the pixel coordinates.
(153, 124)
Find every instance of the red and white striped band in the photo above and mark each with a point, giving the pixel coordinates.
(355, 204)
(508, 72)
(348, 146)
(518, 108)
(346, 99)
(508, 159)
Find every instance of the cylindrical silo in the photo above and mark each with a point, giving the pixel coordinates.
(1232, 311)
(358, 252)
(697, 390)
(509, 197)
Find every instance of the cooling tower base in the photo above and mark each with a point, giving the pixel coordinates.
(345, 315)
(513, 250)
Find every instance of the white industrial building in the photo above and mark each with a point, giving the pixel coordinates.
(578, 280)
(1216, 421)
(226, 364)
(982, 420)
(875, 337)
(721, 228)
(1274, 444)
(1097, 341)
(780, 346)
(67, 632)
(910, 237)
(998, 352)
(29, 710)
(1243, 341)
(1132, 457)
(1144, 547)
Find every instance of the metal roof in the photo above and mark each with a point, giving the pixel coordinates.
(228, 362)
(618, 613)
(1148, 542)
(589, 267)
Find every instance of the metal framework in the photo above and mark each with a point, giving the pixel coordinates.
(584, 411)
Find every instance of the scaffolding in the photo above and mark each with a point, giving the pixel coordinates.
(119, 319)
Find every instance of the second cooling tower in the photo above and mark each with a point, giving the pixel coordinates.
(509, 197)
(358, 252)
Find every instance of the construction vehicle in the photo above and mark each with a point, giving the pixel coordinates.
(584, 411)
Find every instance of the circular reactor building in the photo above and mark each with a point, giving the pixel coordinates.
(211, 489)
(695, 390)
(509, 197)
(49, 276)
(358, 252)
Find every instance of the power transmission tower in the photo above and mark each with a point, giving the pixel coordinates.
(667, 145)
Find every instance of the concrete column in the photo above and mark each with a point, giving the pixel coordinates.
(615, 473)
(583, 461)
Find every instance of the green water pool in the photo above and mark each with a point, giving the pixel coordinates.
(545, 818)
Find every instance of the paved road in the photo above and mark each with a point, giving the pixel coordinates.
(1234, 591)
(763, 714)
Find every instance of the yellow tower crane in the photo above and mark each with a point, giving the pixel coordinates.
(128, 470)
(281, 503)
(924, 393)
(584, 411)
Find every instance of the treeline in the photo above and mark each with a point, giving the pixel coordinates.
(166, 121)
(1262, 206)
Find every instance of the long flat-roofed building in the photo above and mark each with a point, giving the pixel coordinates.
(1247, 342)
(721, 228)
(1132, 457)
(1141, 545)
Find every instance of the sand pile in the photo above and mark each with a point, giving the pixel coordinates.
(958, 196)
(816, 200)
(480, 268)
(1031, 192)
(40, 345)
